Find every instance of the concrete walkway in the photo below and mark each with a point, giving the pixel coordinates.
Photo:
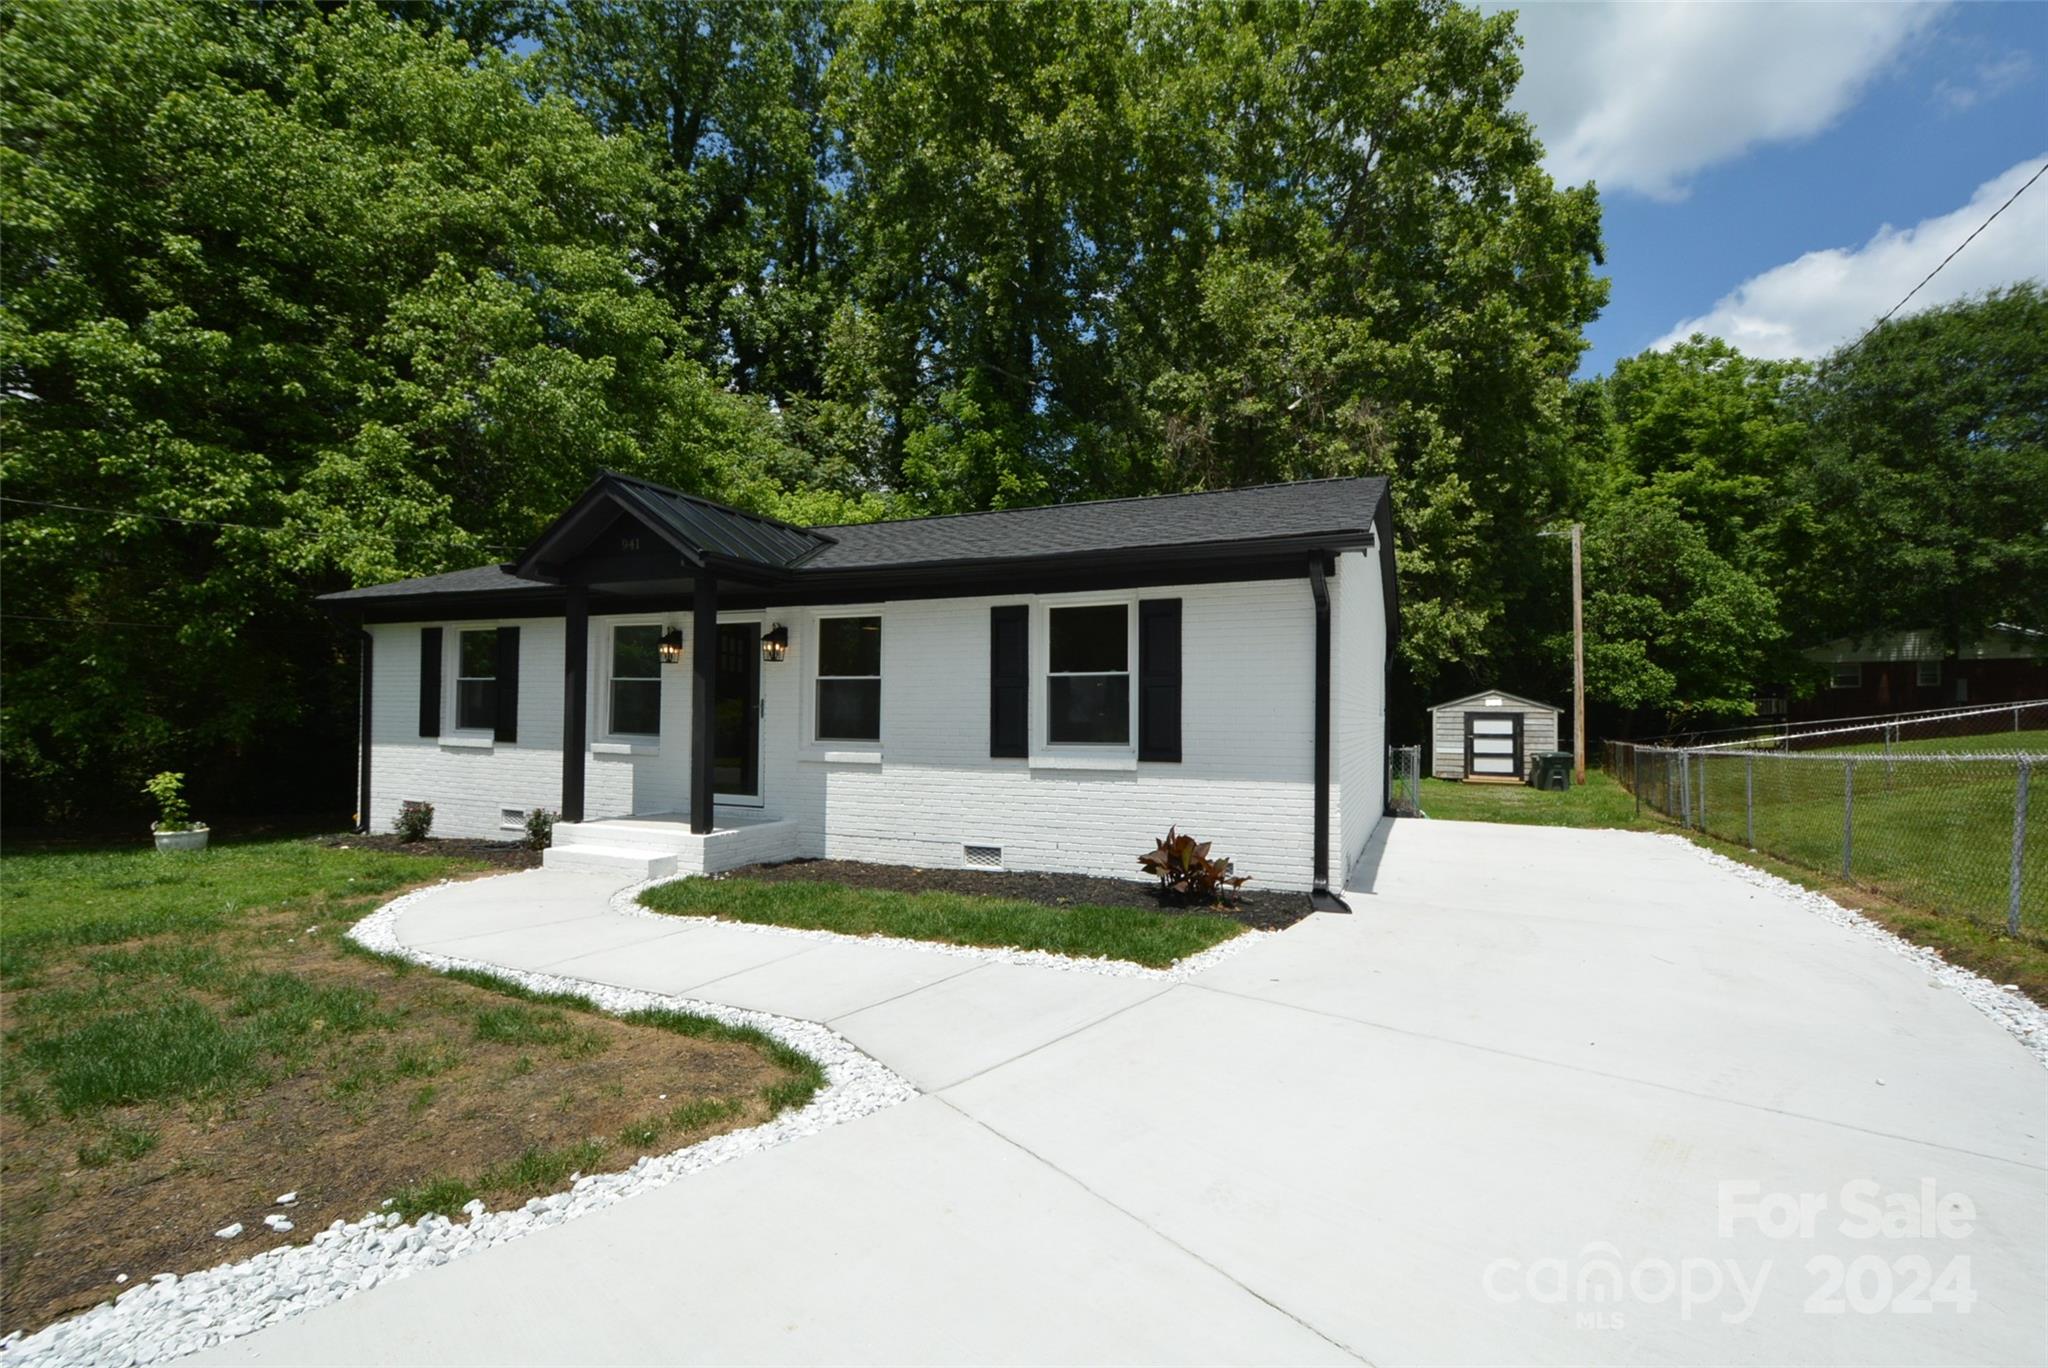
(1536, 1063)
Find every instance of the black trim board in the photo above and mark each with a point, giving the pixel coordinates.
(1067, 576)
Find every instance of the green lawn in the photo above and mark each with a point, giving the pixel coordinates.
(188, 1035)
(1931, 834)
(1124, 933)
(2031, 742)
(1599, 802)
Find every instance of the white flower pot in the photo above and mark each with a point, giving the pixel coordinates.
(192, 838)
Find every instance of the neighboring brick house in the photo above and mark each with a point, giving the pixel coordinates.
(1036, 689)
(1894, 672)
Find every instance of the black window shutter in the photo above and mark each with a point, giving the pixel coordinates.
(430, 681)
(1009, 680)
(507, 728)
(1159, 679)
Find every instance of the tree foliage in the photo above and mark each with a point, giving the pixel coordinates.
(304, 301)
(327, 293)
(1924, 493)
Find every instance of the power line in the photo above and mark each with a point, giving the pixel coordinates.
(1946, 260)
(198, 522)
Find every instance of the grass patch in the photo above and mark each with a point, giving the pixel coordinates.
(1139, 935)
(2032, 742)
(1599, 802)
(187, 1036)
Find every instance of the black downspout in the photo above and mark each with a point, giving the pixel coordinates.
(369, 660)
(1321, 898)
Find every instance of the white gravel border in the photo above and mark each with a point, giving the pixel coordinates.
(172, 1315)
(2009, 1007)
(627, 902)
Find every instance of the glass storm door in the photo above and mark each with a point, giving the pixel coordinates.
(736, 727)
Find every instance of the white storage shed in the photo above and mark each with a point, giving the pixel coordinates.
(1489, 736)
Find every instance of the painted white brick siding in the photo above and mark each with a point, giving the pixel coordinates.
(1358, 682)
(1245, 781)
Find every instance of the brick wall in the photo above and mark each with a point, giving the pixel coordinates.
(930, 786)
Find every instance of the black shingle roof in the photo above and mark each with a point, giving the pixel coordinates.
(1334, 513)
(1305, 508)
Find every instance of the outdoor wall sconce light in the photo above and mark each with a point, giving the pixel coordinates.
(671, 646)
(775, 643)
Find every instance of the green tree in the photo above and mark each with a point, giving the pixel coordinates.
(307, 300)
(1926, 498)
(1672, 628)
(1104, 249)
(1720, 433)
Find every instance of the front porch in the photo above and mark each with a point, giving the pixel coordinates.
(656, 844)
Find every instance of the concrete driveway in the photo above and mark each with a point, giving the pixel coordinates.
(1549, 1096)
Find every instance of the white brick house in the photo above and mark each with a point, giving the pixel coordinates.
(1038, 689)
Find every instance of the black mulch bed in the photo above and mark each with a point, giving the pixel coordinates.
(1261, 911)
(503, 854)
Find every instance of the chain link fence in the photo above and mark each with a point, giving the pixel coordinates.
(1952, 822)
(1404, 781)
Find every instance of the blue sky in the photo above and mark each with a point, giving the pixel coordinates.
(1782, 173)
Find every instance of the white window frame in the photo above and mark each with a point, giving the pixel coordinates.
(815, 679)
(1835, 672)
(1922, 669)
(806, 635)
(610, 643)
(1044, 752)
(455, 633)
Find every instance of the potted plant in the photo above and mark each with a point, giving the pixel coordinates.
(175, 829)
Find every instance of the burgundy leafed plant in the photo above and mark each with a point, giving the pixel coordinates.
(1185, 870)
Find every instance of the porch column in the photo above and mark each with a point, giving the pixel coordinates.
(703, 700)
(575, 705)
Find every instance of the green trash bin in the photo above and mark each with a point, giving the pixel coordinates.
(1551, 770)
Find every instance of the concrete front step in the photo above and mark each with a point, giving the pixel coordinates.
(619, 832)
(639, 861)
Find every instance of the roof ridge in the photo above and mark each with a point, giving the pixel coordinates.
(687, 497)
(1121, 499)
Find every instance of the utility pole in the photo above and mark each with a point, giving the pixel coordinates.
(1578, 661)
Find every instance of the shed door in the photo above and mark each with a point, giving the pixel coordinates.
(1493, 744)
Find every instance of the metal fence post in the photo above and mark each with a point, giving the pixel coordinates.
(1848, 813)
(1749, 801)
(1700, 811)
(1685, 788)
(2019, 844)
(1635, 775)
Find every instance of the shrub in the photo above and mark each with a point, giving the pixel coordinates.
(1186, 872)
(168, 788)
(414, 821)
(540, 829)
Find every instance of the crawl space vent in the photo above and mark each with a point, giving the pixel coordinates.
(511, 819)
(982, 856)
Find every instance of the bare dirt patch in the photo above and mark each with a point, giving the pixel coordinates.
(441, 1089)
(1269, 911)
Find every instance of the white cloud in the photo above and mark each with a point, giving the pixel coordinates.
(1986, 81)
(1642, 96)
(1808, 306)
